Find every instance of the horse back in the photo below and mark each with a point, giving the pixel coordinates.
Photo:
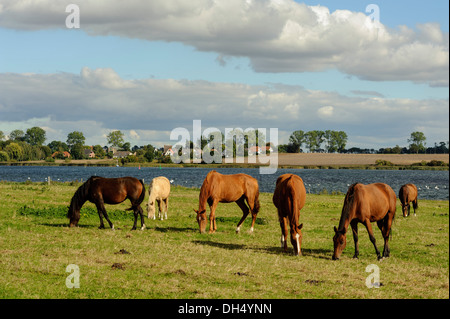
(228, 188)
(374, 200)
(159, 187)
(290, 195)
(116, 190)
(407, 193)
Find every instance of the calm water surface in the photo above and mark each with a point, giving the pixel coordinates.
(431, 184)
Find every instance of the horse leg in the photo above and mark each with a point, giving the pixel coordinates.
(415, 206)
(245, 212)
(283, 225)
(212, 217)
(102, 212)
(160, 214)
(135, 213)
(354, 224)
(254, 214)
(141, 212)
(166, 208)
(385, 227)
(100, 209)
(372, 237)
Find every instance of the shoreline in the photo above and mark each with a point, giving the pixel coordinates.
(286, 160)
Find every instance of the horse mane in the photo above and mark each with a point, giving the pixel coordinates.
(80, 197)
(348, 203)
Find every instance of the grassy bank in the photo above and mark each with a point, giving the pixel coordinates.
(170, 259)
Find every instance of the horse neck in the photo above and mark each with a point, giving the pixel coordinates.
(347, 213)
(80, 197)
(203, 198)
(152, 195)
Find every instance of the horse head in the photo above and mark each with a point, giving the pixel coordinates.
(339, 241)
(151, 209)
(201, 219)
(77, 201)
(73, 214)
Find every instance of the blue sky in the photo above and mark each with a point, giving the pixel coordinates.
(47, 48)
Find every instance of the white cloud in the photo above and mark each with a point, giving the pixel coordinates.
(147, 110)
(277, 36)
(325, 112)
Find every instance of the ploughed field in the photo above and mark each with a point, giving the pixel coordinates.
(171, 259)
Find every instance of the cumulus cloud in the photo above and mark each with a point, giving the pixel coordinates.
(97, 101)
(276, 35)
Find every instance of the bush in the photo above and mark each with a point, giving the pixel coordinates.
(4, 156)
(436, 163)
(383, 163)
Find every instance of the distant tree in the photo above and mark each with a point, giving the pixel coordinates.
(314, 139)
(35, 136)
(126, 146)
(2, 135)
(17, 135)
(14, 150)
(4, 157)
(58, 146)
(149, 152)
(296, 140)
(75, 138)
(417, 142)
(341, 140)
(77, 151)
(115, 138)
(99, 151)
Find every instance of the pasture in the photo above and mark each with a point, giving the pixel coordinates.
(171, 259)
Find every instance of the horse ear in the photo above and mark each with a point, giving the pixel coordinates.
(195, 210)
(335, 229)
(300, 226)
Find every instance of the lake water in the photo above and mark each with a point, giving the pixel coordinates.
(431, 184)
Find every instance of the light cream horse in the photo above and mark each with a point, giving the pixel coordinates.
(158, 192)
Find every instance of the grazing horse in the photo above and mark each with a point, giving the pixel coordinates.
(366, 204)
(408, 194)
(239, 188)
(289, 198)
(158, 193)
(100, 191)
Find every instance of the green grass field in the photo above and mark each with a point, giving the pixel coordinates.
(171, 259)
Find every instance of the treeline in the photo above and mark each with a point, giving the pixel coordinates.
(335, 142)
(29, 146)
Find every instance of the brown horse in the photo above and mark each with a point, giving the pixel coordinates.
(366, 204)
(408, 194)
(289, 198)
(218, 188)
(100, 191)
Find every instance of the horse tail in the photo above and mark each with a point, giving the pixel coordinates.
(141, 198)
(295, 210)
(256, 204)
